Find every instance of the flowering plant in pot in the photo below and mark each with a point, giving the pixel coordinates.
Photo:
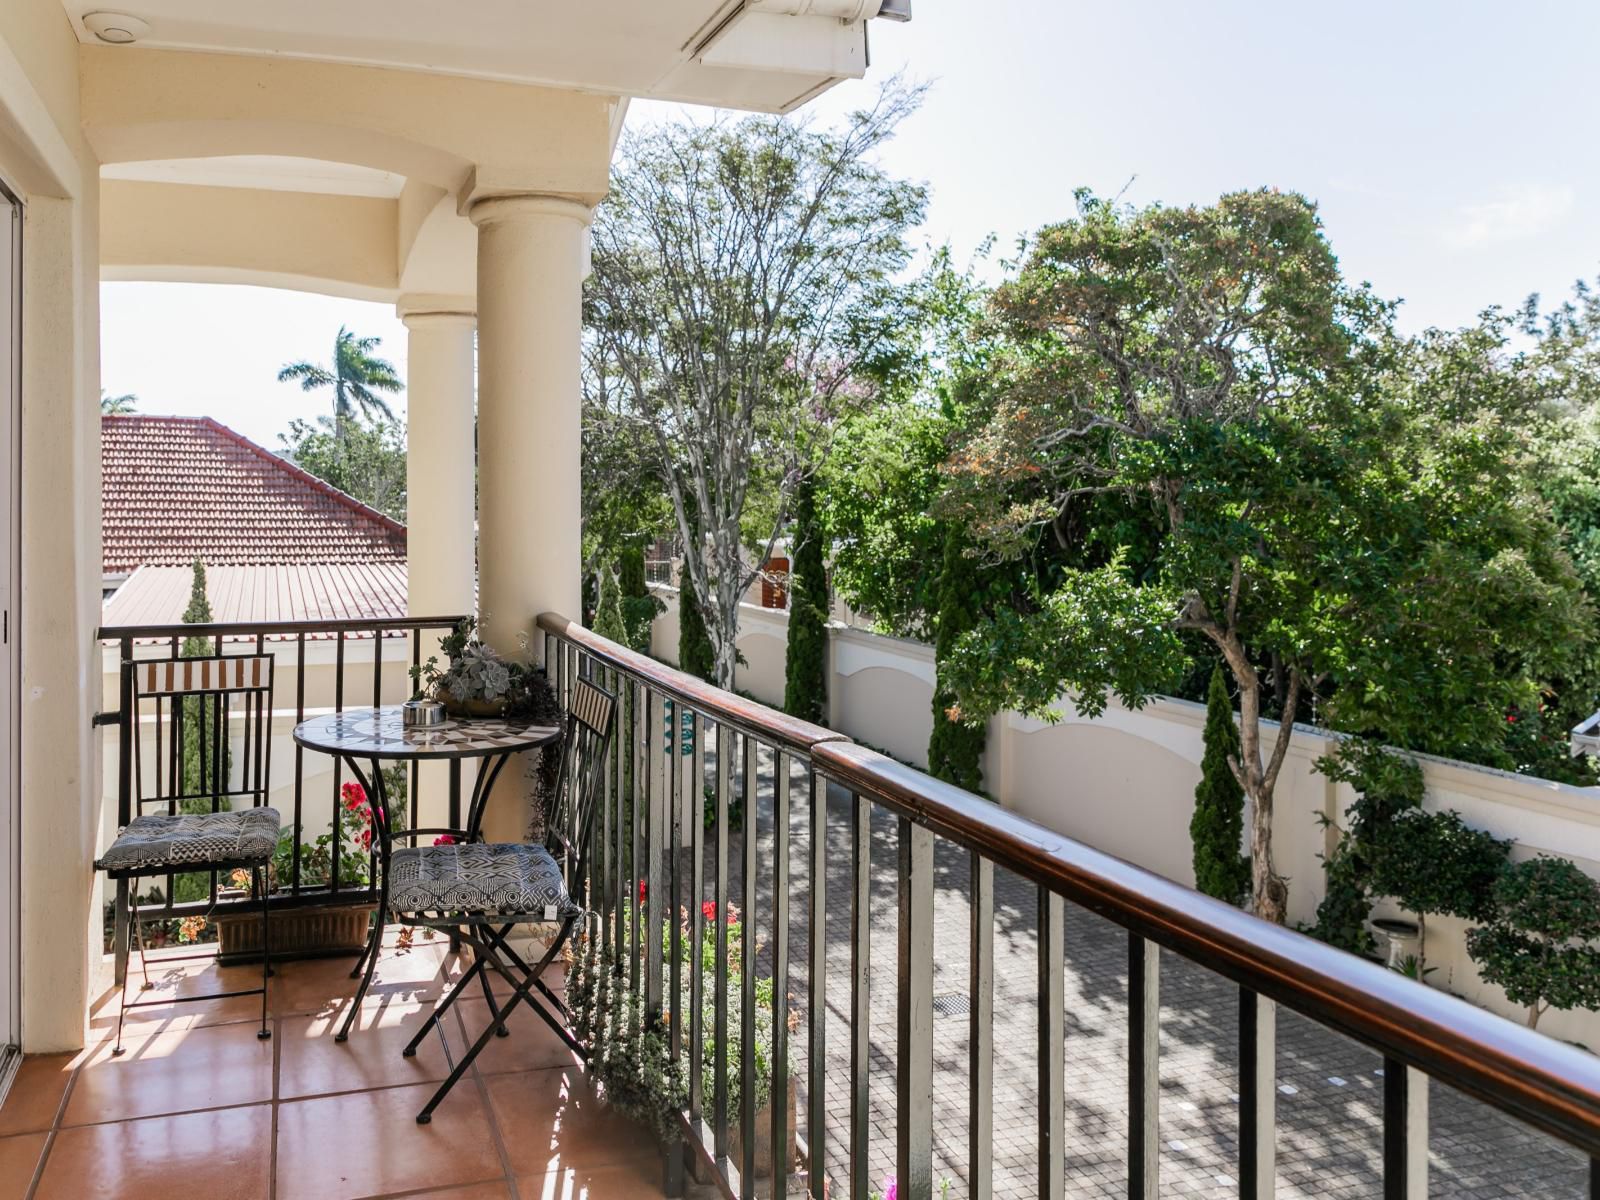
(477, 682)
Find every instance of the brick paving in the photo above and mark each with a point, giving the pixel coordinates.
(1329, 1106)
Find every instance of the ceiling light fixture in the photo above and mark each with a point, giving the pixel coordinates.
(119, 29)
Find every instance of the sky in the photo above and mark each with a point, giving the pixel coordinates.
(1439, 140)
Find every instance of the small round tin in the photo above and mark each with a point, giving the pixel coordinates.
(420, 714)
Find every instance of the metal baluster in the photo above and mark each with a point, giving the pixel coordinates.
(337, 856)
(914, 1002)
(697, 891)
(1144, 1068)
(622, 900)
(641, 700)
(860, 993)
(605, 798)
(1052, 1044)
(747, 975)
(652, 858)
(816, 997)
(781, 766)
(980, 1032)
(299, 764)
(719, 1024)
(671, 749)
(1258, 1123)
(1405, 1132)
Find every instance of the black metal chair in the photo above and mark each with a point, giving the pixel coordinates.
(192, 704)
(483, 891)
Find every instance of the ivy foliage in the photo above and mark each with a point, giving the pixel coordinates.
(1540, 945)
(1217, 826)
(805, 691)
(1386, 785)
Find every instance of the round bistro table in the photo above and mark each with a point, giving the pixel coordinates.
(373, 736)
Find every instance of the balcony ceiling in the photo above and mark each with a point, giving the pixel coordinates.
(625, 47)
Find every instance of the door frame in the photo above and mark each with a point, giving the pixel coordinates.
(11, 223)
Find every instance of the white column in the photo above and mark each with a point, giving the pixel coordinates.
(440, 519)
(531, 261)
(441, 513)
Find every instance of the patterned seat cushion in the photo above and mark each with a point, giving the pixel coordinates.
(156, 841)
(478, 878)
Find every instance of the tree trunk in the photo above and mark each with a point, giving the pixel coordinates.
(1270, 893)
(1534, 1013)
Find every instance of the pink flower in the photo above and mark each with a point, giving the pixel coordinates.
(891, 1189)
(444, 839)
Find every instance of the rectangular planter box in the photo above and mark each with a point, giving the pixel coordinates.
(296, 933)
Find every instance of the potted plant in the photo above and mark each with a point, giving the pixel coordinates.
(478, 682)
(313, 931)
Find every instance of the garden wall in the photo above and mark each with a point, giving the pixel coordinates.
(1125, 782)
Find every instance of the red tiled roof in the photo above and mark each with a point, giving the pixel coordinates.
(175, 489)
(260, 593)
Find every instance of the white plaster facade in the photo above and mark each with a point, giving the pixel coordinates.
(446, 160)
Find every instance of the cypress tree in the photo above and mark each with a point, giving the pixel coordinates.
(639, 607)
(805, 690)
(198, 771)
(695, 655)
(1217, 826)
(954, 747)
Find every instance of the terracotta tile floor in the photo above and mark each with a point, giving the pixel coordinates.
(199, 1106)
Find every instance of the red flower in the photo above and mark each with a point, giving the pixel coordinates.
(708, 910)
(355, 796)
(641, 891)
(444, 839)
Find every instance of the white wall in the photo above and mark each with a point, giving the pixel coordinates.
(1125, 782)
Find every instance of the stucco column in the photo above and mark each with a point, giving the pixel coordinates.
(440, 520)
(531, 261)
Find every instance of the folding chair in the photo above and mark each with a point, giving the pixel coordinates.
(191, 705)
(485, 890)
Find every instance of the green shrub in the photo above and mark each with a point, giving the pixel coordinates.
(1435, 863)
(1539, 946)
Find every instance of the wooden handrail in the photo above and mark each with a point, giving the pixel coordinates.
(793, 735)
(1547, 1083)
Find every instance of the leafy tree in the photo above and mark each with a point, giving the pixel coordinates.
(1341, 515)
(880, 484)
(1539, 947)
(116, 406)
(805, 692)
(1217, 826)
(357, 378)
(1434, 862)
(368, 463)
(742, 276)
(955, 746)
(608, 619)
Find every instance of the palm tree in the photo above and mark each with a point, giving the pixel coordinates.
(116, 406)
(356, 379)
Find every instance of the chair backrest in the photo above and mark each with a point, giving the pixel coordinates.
(193, 712)
(590, 714)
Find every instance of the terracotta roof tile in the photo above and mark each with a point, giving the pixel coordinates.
(179, 488)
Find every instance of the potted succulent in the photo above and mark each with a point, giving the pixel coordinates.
(478, 682)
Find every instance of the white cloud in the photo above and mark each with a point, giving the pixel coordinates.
(1522, 211)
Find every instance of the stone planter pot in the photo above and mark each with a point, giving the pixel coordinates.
(1404, 938)
(702, 1174)
(469, 708)
(296, 932)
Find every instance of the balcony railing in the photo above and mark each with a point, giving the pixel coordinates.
(778, 771)
(321, 665)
